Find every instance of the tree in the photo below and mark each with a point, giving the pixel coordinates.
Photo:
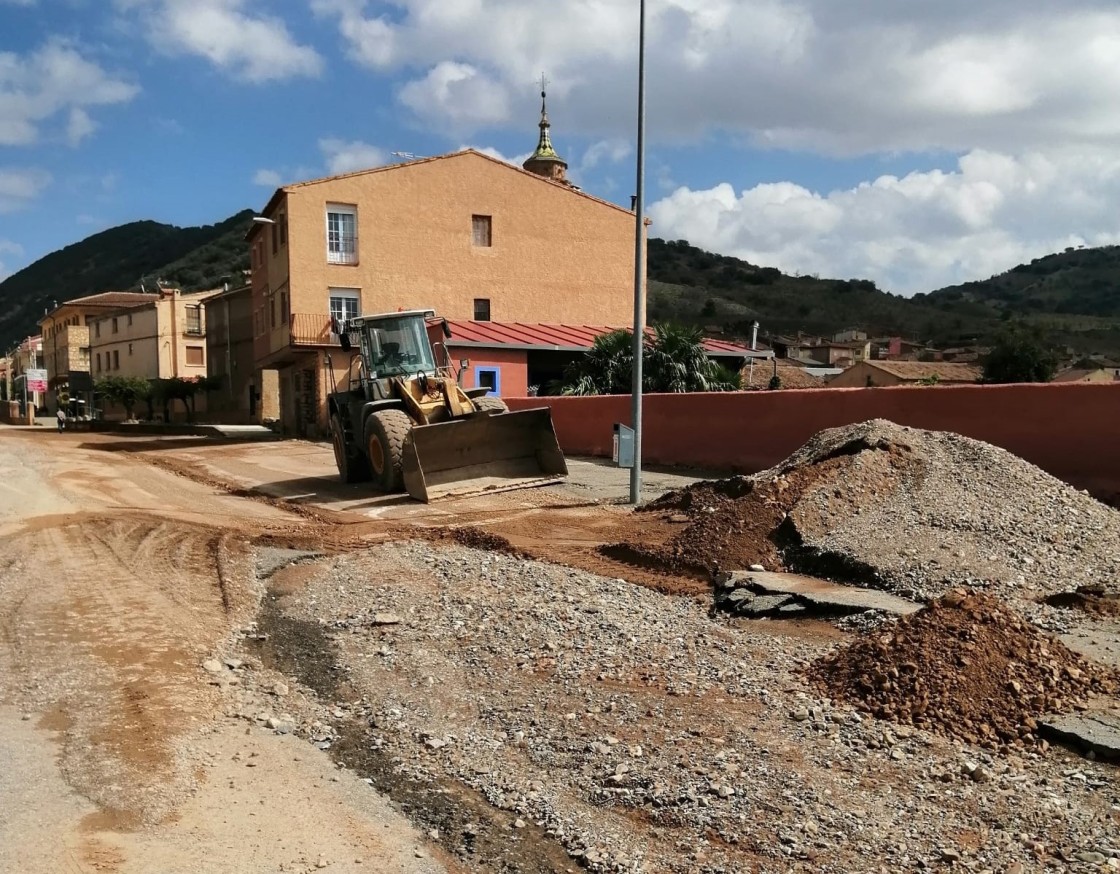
(179, 389)
(673, 360)
(1019, 355)
(127, 391)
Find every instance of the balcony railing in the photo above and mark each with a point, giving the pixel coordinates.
(343, 249)
(312, 329)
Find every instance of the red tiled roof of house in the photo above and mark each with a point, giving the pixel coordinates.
(575, 338)
(116, 299)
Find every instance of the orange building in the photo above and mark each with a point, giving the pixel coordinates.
(464, 234)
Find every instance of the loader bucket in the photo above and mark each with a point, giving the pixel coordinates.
(482, 453)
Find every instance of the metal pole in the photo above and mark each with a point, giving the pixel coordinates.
(639, 265)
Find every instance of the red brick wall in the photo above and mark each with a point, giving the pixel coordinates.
(1070, 430)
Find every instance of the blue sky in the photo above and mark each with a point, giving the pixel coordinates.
(916, 144)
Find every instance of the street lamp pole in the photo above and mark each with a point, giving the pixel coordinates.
(639, 265)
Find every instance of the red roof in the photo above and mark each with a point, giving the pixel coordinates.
(566, 338)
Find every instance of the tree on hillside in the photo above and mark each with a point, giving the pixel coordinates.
(127, 391)
(1019, 355)
(673, 360)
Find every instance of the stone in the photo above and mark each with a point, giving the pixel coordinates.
(800, 715)
(948, 854)
(234, 664)
(679, 519)
(757, 568)
(279, 689)
(212, 666)
(519, 823)
(435, 743)
(1090, 856)
(763, 604)
(385, 619)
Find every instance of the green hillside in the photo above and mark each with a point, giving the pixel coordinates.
(115, 260)
(1074, 297)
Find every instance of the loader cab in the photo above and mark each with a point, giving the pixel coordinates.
(395, 344)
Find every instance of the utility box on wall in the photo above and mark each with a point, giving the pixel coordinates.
(622, 451)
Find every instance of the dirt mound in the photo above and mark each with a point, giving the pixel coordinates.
(469, 536)
(914, 512)
(1095, 600)
(965, 666)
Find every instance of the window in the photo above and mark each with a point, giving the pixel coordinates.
(482, 309)
(98, 362)
(345, 303)
(129, 348)
(116, 359)
(97, 329)
(194, 319)
(489, 378)
(194, 356)
(272, 310)
(284, 306)
(275, 239)
(115, 325)
(130, 320)
(481, 231)
(283, 229)
(342, 234)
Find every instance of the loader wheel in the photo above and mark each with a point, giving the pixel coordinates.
(352, 468)
(386, 431)
(487, 403)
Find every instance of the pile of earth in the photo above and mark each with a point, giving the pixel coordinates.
(914, 512)
(965, 666)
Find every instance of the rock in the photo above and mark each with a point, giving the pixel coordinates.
(948, 854)
(279, 689)
(435, 743)
(234, 664)
(679, 519)
(757, 568)
(321, 863)
(279, 725)
(800, 715)
(763, 604)
(385, 619)
(519, 823)
(212, 666)
(1091, 857)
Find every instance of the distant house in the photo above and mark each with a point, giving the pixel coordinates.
(790, 373)
(1100, 374)
(897, 349)
(876, 374)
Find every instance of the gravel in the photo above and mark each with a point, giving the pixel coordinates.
(633, 729)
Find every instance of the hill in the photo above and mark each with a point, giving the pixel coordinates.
(1073, 297)
(115, 260)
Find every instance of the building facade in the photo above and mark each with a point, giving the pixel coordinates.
(466, 235)
(66, 339)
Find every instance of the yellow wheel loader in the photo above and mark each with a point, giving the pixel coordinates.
(406, 423)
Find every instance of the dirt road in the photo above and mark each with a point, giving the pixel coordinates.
(118, 581)
(214, 657)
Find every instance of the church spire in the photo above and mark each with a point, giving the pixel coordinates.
(545, 161)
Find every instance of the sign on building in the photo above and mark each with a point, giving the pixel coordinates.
(36, 379)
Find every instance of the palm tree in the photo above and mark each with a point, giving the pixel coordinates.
(673, 360)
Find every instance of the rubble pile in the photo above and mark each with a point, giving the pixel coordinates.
(966, 666)
(917, 513)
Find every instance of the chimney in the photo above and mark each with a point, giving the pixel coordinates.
(633, 202)
(754, 336)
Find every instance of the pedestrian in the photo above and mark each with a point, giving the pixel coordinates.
(61, 419)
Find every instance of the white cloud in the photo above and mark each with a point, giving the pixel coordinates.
(516, 160)
(54, 78)
(460, 95)
(250, 46)
(605, 151)
(345, 156)
(915, 233)
(852, 78)
(267, 178)
(80, 126)
(7, 247)
(18, 187)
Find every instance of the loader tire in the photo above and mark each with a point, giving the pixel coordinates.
(487, 403)
(352, 467)
(386, 431)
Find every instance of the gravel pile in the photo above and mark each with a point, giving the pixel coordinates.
(915, 512)
(631, 729)
(966, 666)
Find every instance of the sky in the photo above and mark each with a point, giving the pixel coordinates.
(918, 144)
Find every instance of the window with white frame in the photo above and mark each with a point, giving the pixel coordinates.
(345, 303)
(342, 234)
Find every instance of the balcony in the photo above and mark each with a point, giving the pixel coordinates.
(311, 329)
(342, 249)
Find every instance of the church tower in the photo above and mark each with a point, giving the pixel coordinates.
(544, 161)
